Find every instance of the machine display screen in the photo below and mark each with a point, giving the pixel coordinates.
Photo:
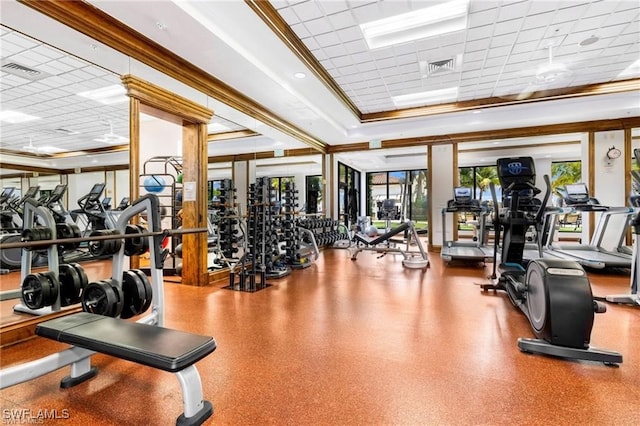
(6, 193)
(577, 189)
(96, 191)
(31, 192)
(514, 167)
(462, 193)
(57, 193)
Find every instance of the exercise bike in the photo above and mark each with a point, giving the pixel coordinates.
(554, 294)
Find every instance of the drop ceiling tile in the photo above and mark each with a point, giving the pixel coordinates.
(508, 12)
(366, 66)
(507, 27)
(352, 34)
(342, 20)
(19, 40)
(342, 61)
(356, 46)
(301, 31)
(476, 45)
(539, 21)
(622, 18)
(478, 33)
(307, 11)
(588, 24)
(327, 39)
(318, 26)
(366, 12)
(503, 40)
(482, 18)
(362, 57)
(337, 50)
(333, 6)
(289, 15)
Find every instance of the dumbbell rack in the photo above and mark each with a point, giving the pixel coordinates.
(275, 261)
(293, 254)
(249, 274)
(226, 221)
(326, 231)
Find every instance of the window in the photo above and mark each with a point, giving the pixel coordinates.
(313, 194)
(564, 173)
(480, 178)
(408, 188)
(348, 193)
(213, 190)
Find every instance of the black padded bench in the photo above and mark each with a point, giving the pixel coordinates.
(162, 348)
(381, 238)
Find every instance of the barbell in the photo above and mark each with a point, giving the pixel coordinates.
(111, 236)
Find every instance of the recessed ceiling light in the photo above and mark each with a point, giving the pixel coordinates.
(589, 40)
(425, 98)
(299, 75)
(417, 24)
(16, 117)
(107, 95)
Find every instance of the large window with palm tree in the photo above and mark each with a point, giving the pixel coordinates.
(480, 178)
(564, 173)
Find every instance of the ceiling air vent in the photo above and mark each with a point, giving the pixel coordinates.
(429, 68)
(23, 71)
(439, 67)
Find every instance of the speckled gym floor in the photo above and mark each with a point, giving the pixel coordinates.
(357, 343)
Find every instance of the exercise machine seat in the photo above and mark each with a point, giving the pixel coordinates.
(382, 238)
(158, 347)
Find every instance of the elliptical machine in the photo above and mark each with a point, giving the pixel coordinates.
(554, 294)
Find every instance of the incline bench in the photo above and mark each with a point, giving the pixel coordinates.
(411, 258)
(162, 348)
(381, 238)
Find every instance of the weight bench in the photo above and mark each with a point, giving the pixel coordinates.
(381, 238)
(411, 259)
(162, 348)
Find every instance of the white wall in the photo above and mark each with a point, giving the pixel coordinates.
(80, 184)
(441, 189)
(121, 186)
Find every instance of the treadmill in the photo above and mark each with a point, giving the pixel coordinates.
(576, 198)
(470, 251)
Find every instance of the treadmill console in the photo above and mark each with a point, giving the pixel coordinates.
(462, 195)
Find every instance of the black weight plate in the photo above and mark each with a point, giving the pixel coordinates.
(35, 291)
(98, 298)
(70, 285)
(134, 294)
(67, 230)
(133, 246)
(117, 308)
(147, 287)
(84, 280)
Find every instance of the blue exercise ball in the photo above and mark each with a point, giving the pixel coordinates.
(154, 184)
